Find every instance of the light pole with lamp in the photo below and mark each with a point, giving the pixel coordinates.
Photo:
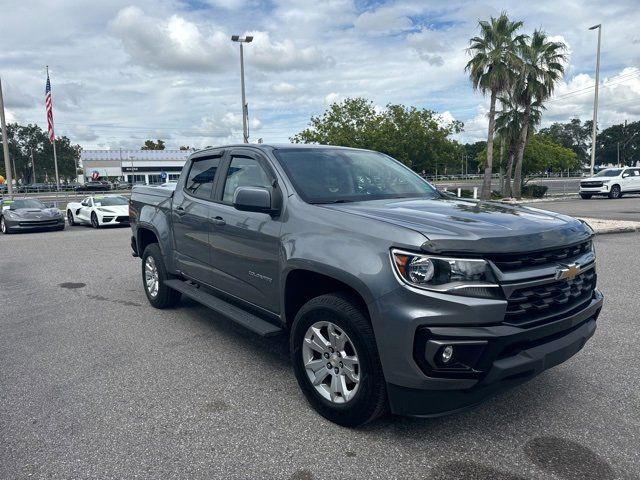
(595, 101)
(245, 111)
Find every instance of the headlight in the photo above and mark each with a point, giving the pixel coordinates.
(11, 214)
(461, 276)
(605, 181)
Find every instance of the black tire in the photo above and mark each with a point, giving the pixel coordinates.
(615, 192)
(370, 400)
(70, 219)
(4, 228)
(94, 220)
(166, 297)
(585, 196)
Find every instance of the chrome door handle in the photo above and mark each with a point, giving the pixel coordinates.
(180, 211)
(219, 221)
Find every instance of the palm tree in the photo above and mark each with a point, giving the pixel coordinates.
(491, 70)
(508, 127)
(542, 67)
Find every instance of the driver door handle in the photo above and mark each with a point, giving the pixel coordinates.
(219, 221)
(180, 211)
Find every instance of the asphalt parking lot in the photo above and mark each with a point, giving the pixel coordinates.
(625, 208)
(95, 383)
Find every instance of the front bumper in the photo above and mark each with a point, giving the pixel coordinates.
(603, 190)
(512, 354)
(113, 219)
(21, 224)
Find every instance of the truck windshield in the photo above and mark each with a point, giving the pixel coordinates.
(610, 172)
(332, 175)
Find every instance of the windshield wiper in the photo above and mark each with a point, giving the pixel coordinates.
(323, 202)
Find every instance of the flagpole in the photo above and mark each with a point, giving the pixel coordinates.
(55, 156)
(5, 145)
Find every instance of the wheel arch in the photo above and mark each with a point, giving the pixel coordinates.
(302, 283)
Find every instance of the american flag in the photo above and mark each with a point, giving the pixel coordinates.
(49, 107)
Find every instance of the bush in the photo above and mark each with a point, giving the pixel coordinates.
(534, 191)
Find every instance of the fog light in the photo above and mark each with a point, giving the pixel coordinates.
(447, 354)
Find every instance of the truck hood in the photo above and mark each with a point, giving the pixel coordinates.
(458, 225)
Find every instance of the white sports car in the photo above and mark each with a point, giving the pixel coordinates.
(99, 210)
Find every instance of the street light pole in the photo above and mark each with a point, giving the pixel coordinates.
(5, 145)
(595, 101)
(245, 109)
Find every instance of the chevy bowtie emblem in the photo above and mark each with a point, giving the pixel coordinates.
(568, 272)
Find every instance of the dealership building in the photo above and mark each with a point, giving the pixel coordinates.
(134, 166)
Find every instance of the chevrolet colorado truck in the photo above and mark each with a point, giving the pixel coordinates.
(395, 296)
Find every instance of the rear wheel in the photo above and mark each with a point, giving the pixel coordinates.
(70, 219)
(585, 196)
(94, 220)
(336, 362)
(154, 274)
(4, 228)
(615, 192)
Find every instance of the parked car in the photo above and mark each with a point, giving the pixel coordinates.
(121, 185)
(611, 182)
(394, 296)
(99, 211)
(28, 214)
(93, 187)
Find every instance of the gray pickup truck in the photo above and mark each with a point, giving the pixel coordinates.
(395, 297)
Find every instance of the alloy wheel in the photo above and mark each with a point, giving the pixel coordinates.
(3, 226)
(70, 218)
(331, 362)
(151, 276)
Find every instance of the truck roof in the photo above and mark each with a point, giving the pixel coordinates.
(270, 146)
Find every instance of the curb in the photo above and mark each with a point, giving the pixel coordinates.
(601, 226)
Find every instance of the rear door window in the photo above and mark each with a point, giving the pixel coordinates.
(202, 176)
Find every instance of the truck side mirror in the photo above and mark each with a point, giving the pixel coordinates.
(254, 199)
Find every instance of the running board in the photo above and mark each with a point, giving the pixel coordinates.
(238, 315)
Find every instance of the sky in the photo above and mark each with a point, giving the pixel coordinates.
(124, 71)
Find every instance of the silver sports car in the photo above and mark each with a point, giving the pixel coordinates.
(28, 214)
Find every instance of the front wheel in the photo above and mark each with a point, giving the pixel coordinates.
(70, 219)
(615, 192)
(336, 362)
(585, 196)
(94, 220)
(4, 228)
(154, 274)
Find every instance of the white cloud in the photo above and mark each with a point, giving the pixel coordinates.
(174, 44)
(384, 20)
(283, 88)
(271, 55)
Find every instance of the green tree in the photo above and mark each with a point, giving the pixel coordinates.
(541, 154)
(350, 123)
(619, 144)
(151, 145)
(25, 140)
(573, 134)
(542, 67)
(491, 70)
(509, 125)
(414, 136)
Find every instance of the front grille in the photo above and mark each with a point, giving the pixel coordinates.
(38, 223)
(591, 184)
(122, 219)
(515, 261)
(530, 305)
